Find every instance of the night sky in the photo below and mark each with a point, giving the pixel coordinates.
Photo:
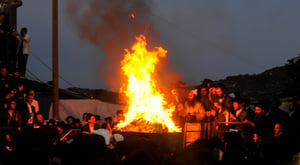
(204, 39)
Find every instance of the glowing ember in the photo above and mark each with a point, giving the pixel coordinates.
(147, 109)
(132, 15)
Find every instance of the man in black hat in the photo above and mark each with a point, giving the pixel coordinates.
(263, 125)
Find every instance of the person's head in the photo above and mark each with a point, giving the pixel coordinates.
(217, 105)
(51, 122)
(192, 94)
(77, 123)
(278, 129)
(292, 105)
(219, 91)
(92, 119)
(237, 104)
(24, 31)
(12, 104)
(60, 126)
(84, 116)
(108, 120)
(174, 91)
(3, 71)
(29, 98)
(2, 17)
(70, 120)
(8, 137)
(203, 90)
(191, 98)
(39, 119)
(120, 115)
(258, 110)
(207, 82)
(228, 102)
(276, 102)
(246, 102)
(8, 93)
(16, 72)
(20, 86)
(98, 119)
(31, 92)
(265, 105)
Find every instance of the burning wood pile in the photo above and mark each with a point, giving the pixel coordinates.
(147, 111)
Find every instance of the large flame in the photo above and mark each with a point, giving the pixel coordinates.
(147, 109)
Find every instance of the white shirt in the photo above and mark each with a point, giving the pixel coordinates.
(36, 106)
(26, 44)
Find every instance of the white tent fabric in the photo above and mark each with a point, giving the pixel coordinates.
(76, 108)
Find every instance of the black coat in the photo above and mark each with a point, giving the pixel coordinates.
(86, 128)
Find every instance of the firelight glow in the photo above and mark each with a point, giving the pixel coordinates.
(147, 109)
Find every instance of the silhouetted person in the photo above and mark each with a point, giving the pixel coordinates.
(25, 47)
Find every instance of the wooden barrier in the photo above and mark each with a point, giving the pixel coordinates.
(206, 130)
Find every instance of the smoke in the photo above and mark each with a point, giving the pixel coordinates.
(111, 25)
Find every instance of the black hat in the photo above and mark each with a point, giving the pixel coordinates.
(221, 85)
(98, 117)
(17, 69)
(69, 117)
(108, 119)
(264, 104)
(206, 81)
(51, 121)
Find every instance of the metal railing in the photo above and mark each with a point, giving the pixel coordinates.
(208, 129)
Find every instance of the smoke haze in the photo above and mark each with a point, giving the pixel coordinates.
(113, 26)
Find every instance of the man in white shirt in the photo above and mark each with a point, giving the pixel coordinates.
(33, 107)
(25, 47)
(33, 102)
(29, 107)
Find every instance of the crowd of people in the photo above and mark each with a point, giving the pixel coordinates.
(265, 133)
(242, 124)
(257, 132)
(15, 46)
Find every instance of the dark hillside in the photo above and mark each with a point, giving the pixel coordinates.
(282, 81)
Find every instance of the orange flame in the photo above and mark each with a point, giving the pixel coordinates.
(147, 109)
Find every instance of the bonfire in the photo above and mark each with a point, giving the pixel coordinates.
(147, 111)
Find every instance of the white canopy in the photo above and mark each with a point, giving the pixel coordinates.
(77, 107)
